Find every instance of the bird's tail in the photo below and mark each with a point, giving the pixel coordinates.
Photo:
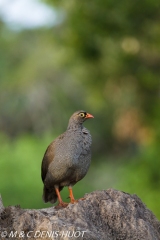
(49, 195)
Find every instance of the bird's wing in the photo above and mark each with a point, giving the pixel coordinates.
(47, 159)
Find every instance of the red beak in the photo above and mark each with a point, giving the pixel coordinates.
(89, 115)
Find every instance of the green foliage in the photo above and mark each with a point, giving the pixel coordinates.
(20, 178)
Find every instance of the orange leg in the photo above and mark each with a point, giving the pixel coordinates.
(61, 203)
(72, 199)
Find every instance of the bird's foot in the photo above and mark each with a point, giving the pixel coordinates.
(71, 196)
(61, 205)
(73, 201)
(76, 200)
(81, 199)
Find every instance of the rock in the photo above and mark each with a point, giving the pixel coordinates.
(103, 215)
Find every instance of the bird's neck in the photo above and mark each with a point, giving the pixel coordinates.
(74, 125)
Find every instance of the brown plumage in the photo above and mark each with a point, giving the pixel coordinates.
(67, 159)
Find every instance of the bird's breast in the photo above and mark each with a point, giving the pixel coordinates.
(87, 139)
(73, 145)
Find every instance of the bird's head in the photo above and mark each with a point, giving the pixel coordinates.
(78, 118)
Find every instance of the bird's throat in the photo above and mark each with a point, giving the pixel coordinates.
(74, 125)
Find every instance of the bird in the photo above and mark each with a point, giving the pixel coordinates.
(67, 159)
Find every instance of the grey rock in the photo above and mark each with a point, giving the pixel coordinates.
(103, 215)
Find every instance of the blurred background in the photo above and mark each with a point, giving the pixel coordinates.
(57, 57)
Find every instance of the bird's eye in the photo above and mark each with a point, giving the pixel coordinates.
(82, 115)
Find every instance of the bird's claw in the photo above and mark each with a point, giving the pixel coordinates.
(76, 200)
(61, 205)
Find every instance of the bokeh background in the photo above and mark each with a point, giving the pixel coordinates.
(100, 56)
